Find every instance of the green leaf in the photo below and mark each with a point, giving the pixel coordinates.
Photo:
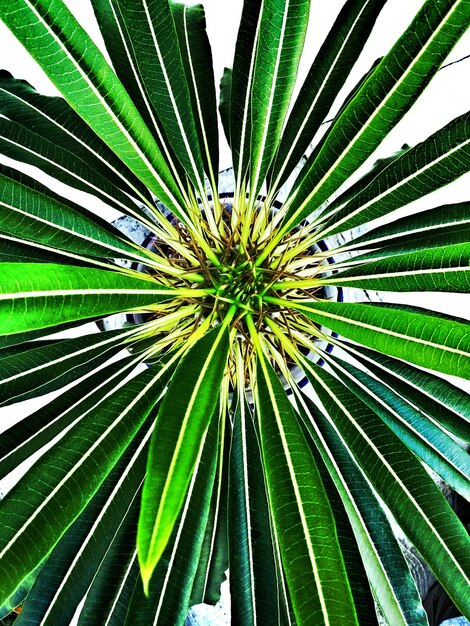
(445, 403)
(20, 143)
(100, 597)
(213, 558)
(39, 509)
(17, 598)
(436, 448)
(14, 250)
(82, 75)
(152, 34)
(379, 105)
(254, 586)
(43, 295)
(448, 224)
(327, 74)
(412, 334)
(435, 162)
(27, 436)
(182, 420)
(241, 86)
(39, 370)
(311, 555)
(123, 57)
(402, 482)
(52, 117)
(444, 268)
(57, 224)
(172, 584)
(389, 576)
(225, 98)
(76, 560)
(279, 44)
(190, 23)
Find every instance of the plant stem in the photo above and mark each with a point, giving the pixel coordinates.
(296, 284)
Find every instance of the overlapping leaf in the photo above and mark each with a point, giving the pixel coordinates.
(381, 102)
(81, 73)
(38, 510)
(415, 335)
(403, 484)
(330, 69)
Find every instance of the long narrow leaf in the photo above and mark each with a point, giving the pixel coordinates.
(182, 420)
(190, 23)
(403, 484)
(152, 34)
(444, 402)
(311, 555)
(87, 454)
(435, 269)
(279, 44)
(38, 370)
(328, 72)
(54, 118)
(42, 295)
(433, 163)
(417, 336)
(254, 585)
(92, 89)
(56, 224)
(20, 143)
(171, 586)
(392, 583)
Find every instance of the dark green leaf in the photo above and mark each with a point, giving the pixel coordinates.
(327, 74)
(311, 555)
